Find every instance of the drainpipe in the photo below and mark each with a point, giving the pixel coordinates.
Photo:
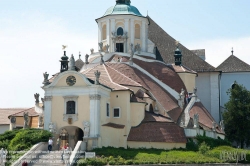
(219, 82)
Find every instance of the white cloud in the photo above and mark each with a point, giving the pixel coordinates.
(218, 50)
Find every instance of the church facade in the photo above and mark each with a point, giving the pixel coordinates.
(126, 94)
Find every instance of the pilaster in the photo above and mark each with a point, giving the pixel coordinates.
(126, 30)
(94, 115)
(47, 111)
(143, 26)
(99, 32)
(112, 30)
(132, 31)
(108, 32)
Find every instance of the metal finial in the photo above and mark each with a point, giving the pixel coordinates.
(80, 55)
(232, 51)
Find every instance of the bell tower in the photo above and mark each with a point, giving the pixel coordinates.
(64, 62)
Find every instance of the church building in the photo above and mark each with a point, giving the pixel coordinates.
(138, 90)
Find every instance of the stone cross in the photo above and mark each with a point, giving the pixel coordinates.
(86, 129)
(196, 120)
(46, 80)
(26, 120)
(97, 76)
(86, 59)
(101, 46)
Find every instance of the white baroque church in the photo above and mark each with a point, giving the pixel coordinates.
(141, 89)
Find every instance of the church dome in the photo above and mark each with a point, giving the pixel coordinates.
(123, 9)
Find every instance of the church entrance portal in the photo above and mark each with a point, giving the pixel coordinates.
(71, 135)
(119, 47)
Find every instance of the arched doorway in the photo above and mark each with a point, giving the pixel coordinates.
(71, 135)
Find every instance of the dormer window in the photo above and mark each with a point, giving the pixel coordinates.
(120, 31)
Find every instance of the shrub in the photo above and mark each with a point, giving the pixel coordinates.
(203, 148)
(212, 142)
(191, 145)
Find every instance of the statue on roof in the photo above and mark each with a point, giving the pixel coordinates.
(26, 120)
(101, 46)
(138, 48)
(37, 97)
(92, 50)
(87, 59)
(97, 76)
(46, 80)
(107, 48)
(196, 120)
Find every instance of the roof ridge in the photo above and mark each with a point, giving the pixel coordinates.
(21, 111)
(124, 75)
(111, 79)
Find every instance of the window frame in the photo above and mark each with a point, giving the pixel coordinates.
(70, 98)
(119, 112)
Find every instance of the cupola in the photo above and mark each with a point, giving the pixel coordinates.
(177, 55)
(64, 62)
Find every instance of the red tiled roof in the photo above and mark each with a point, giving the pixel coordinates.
(157, 132)
(151, 117)
(113, 125)
(181, 69)
(205, 117)
(6, 112)
(31, 112)
(162, 96)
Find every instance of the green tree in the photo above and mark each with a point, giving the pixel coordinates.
(237, 116)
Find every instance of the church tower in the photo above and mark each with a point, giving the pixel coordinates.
(121, 26)
(64, 62)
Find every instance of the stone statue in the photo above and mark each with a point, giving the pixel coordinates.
(37, 97)
(107, 48)
(222, 127)
(46, 80)
(195, 91)
(92, 51)
(101, 61)
(42, 101)
(138, 48)
(86, 125)
(114, 34)
(51, 127)
(3, 156)
(97, 76)
(101, 46)
(41, 121)
(196, 120)
(13, 121)
(26, 120)
(214, 126)
(182, 98)
(87, 58)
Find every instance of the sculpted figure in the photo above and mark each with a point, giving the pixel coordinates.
(86, 128)
(107, 48)
(97, 76)
(196, 120)
(87, 58)
(101, 46)
(92, 51)
(26, 120)
(37, 97)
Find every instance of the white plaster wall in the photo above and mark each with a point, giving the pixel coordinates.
(4, 128)
(227, 79)
(207, 84)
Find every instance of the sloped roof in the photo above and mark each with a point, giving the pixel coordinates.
(182, 69)
(31, 112)
(152, 117)
(233, 64)
(205, 118)
(166, 47)
(6, 112)
(162, 96)
(157, 132)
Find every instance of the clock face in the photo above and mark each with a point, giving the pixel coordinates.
(71, 80)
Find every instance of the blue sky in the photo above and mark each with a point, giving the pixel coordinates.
(32, 32)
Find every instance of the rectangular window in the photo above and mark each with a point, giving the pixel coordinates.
(116, 112)
(107, 110)
(70, 107)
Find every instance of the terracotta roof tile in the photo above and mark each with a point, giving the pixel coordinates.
(6, 112)
(157, 132)
(31, 112)
(152, 117)
(166, 46)
(233, 64)
(205, 117)
(113, 125)
(162, 96)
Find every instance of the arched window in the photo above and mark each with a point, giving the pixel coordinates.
(104, 32)
(137, 31)
(71, 105)
(120, 31)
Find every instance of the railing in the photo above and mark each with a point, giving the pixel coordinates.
(76, 153)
